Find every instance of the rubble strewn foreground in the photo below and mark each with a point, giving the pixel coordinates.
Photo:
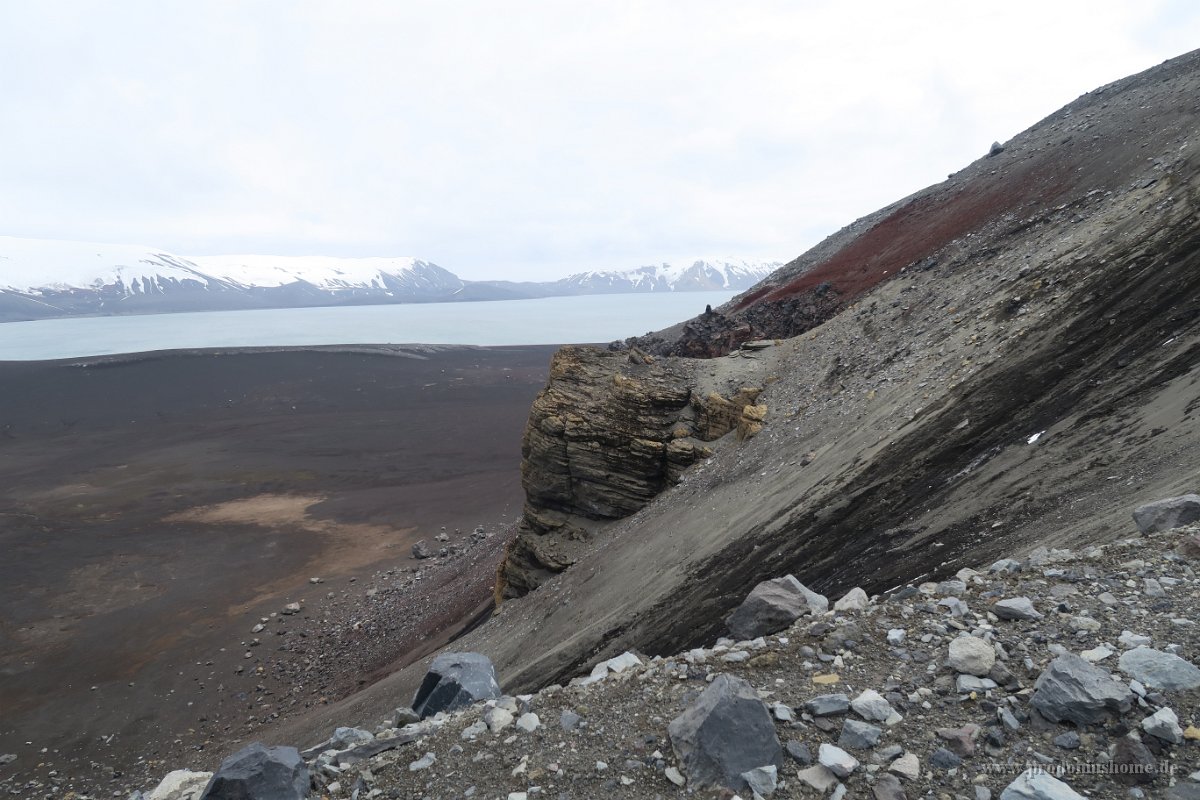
(1064, 674)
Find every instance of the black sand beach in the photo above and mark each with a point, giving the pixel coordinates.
(154, 507)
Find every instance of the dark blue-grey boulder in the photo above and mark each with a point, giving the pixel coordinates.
(727, 731)
(454, 681)
(1072, 690)
(774, 605)
(258, 772)
(1163, 515)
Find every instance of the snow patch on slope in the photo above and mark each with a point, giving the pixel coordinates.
(32, 265)
(683, 275)
(324, 272)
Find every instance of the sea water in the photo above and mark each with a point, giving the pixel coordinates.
(550, 320)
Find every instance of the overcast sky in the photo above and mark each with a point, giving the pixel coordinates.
(524, 139)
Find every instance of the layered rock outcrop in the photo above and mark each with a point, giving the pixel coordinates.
(610, 431)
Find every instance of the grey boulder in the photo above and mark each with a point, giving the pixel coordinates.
(1016, 608)
(1163, 515)
(348, 737)
(1039, 785)
(859, 735)
(1073, 690)
(824, 705)
(774, 605)
(726, 732)
(257, 772)
(1159, 670)
(454, 681)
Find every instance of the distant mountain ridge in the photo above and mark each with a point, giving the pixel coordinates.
(42, 278)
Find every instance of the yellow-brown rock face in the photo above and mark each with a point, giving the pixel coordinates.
(604, 437)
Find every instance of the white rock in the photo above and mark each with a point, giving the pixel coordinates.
(182, 784)
(872, 706)
(424, 762)
(1096, 654)
(497, 719)
(971, 655)
(1038, 785)
(1164, 724)
(528, 722)
(1130, 640)
(837, 760)
(616, 664)
(854, 600)
(818, 777)
(907, 766)
(896, 635)
(674, 776)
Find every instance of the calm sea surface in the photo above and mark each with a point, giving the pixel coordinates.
(552, 320)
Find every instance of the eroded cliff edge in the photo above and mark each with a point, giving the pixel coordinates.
(612, 430)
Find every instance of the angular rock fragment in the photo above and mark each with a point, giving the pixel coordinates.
(907, 766)
(727, 731)
(887, 787)
(348, 737)
(837, 760)
(1039, 785)
(1072, 690)
(859, 735)
(617, 664)
(1159, 670)
(1164, 724)
(1163, 515)
(762, 780)
(871, 705)
(774, 605)
(257, 771)
(825, 705)
(854, 600)
(1016, 608)
(456, 680)
(181, 784)
(1005, 566)
(818, 777)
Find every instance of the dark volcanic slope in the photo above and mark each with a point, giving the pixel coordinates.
(154, 507)
(1009, 357)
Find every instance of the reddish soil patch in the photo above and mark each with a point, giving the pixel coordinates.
(924, 226)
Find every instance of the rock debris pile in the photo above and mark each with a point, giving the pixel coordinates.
(1065, 674)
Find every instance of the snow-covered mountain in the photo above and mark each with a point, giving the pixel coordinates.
(391, 276)
(706, 274)
(44, 278)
